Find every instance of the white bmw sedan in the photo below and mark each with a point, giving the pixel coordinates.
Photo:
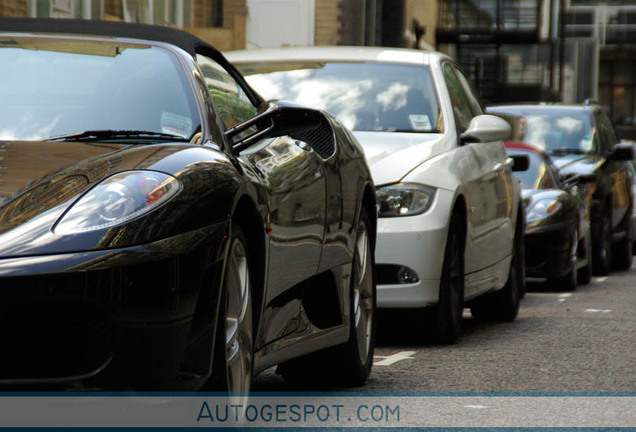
(450, 228)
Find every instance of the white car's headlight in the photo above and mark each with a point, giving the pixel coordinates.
(542, 209)
(118, 199)
(403, 199)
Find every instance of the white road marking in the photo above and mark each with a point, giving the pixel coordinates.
(598, 310)
(600, 279)
(566, 295)
(389, 360)
(476, 406)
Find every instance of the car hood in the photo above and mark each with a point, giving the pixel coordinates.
(531, 195)
(392, 155)
(576, 163)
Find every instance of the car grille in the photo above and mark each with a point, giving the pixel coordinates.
(45, 339)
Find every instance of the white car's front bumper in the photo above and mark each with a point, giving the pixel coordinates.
(416, 242)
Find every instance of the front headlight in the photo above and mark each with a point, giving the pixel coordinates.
(118, 199)
(403, 199)
(542, 209)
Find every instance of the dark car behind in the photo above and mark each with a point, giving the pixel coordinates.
(580, 140)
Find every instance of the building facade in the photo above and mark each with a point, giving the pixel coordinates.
(510, 48)
(220, 22)
(610, 27)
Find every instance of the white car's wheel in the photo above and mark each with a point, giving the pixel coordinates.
(445, 318)
(503, 305)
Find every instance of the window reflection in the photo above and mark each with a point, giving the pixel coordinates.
(363, 96)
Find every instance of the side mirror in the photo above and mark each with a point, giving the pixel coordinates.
(280, 118)
(486, 128)
(622, 152)
(520, 163)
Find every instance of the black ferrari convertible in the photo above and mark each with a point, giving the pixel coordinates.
(162, 226)
(557, 234)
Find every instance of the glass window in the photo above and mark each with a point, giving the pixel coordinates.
(605, 131)
(230, 100)
(554, 130)
(471, 94)
(363, 96)
(462, 107)
(538, 175)
(624, 73)
(51, 87)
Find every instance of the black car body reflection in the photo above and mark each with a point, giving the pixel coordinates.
(161, 226)
(581, 142)
(557, 232)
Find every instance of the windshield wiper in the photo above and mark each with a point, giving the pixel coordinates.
(565, 151)
(109, 134)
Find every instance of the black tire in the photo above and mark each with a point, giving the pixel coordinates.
(602, 244)
(233, 360)
(622, 250)
(503, 305)
(584, 275)
(445, 319)
(568, 282)
(348, 364)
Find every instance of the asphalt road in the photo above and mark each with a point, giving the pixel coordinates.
(584, 341)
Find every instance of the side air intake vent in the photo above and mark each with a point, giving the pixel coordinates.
(321, 139)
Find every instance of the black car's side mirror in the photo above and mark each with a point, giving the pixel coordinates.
(622, 152)
(520, 163)
(280, 118)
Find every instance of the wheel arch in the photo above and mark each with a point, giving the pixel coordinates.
(369, 203)
(461, 208)
(247, 216)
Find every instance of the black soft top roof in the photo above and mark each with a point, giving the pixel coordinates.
(183, 40)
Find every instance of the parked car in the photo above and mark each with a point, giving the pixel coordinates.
(161, 226)
(632, 174)
(558, 238)
(450, 227)
(580, 140)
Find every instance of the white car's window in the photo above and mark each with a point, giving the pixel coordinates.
(363, 96)
(471, 93)
(462, 108)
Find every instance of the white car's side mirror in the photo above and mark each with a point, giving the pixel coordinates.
(486, 128)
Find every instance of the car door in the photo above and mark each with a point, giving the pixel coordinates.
(488, 187)
(615, 170)
(292, 177)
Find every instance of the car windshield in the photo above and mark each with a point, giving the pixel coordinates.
(537, 175)
(556, 131)
(51, 87)
(363, 96)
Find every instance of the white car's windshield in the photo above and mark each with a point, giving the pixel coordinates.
(363, 96)
(52, 87)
